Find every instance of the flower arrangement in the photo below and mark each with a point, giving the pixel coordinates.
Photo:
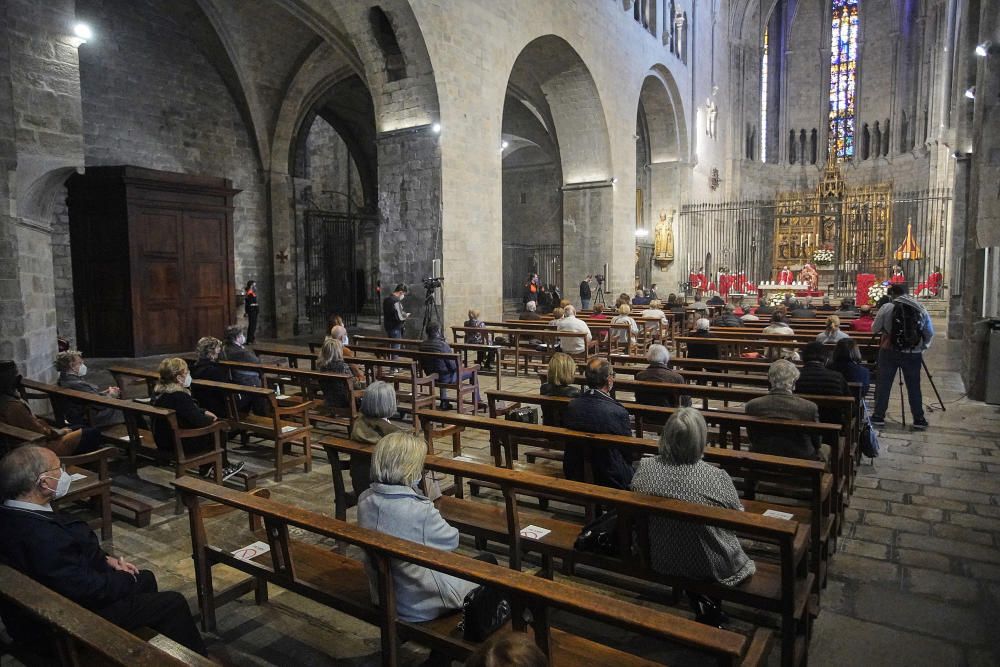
(775, 299)
(876, 292)
(823, 255)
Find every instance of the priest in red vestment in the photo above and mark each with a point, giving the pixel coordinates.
(785, 276)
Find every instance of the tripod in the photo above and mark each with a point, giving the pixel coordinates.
(431, 311)
(599, 296)
(930, 378)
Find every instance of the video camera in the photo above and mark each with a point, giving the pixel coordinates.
(431, 284)
(600, 279)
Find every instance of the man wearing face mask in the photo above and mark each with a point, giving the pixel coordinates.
(72, 370)
(393, 315)
(63, 554)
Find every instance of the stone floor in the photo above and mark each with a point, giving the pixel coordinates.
(915, 581)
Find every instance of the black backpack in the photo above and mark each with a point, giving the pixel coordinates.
(907, 325)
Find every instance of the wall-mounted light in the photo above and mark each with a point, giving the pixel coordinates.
(614, 181)
(971, 93)
(504, 145)
(83, 32)
(436, 128)
(986, 48)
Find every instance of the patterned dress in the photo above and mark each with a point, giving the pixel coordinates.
(687, 549)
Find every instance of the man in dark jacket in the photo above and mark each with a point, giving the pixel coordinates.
(818, 380)
(62, 553)
(801, 310)
(728, 318)
(446, 369)
(659, 371)
(781, 404)
(596, 412)
(393, 315)
(702, 329)
(585, 292)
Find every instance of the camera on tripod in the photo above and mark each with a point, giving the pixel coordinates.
(431, 284)
(599, 278)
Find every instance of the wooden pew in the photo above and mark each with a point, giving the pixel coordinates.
(458, 346)
(334, 580)
(467, 376)
(794, 480)
(778, 587)
(77, 636)
(733, 347)
(284, 424)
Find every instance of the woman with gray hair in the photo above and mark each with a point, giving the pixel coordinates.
(378, 405)
(331, 360)
(781, 403)
(72, 370)
(394, 506)
(683, 548)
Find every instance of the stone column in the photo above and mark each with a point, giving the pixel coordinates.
(285, 247)
(587, 243)
(409, 205)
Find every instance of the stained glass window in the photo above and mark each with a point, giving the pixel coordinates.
(843, 76)
(763, 101)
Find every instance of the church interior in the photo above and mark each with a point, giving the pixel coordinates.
(410, 189)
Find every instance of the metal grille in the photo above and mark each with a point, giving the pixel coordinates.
(521, 259)
(727, 235)
(331, 280)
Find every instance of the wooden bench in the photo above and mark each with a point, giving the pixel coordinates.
(285, 425)
(334, 580)
(788, 482)
(458, 346)
(735, 346)
(781, 585)
(77, 636)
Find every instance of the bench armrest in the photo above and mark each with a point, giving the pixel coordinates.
(217, 425)
(296, 409)
(100, 455)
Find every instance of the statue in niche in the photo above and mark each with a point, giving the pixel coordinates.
(663, 237)
(680, 18)
(711, 117)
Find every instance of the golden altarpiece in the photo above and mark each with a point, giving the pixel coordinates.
(853, 223)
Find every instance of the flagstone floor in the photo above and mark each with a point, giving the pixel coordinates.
(915, 579)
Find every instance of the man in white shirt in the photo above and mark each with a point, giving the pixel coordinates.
(570, 322)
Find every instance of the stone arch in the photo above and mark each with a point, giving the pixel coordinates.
(664, 111)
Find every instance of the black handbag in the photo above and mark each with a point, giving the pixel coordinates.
(524, 415)
(600, 536)
(484, 610)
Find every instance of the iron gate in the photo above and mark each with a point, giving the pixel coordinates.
(522, 259)
(330, 267)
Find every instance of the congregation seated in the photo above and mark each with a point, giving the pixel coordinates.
(446, 369)
(624, 316)
(702, 329)
(764, 308)
(207, 367)
(595, 411)
(559, 377)
(598, 312)
(781, 403)
(484, 359)
(846, 360)
(378, 405)
(798, 309)
(728, 318)
(826, 307)
(557, 314)
(818, 380)
(779, 325)
(654, 312)
(233, 349)
(332, 323)
(682, 548)
(864, 321)
(330, 359)
(529, 311)
(339, 332)
(173, 392)
(14, 411)
(847, 308)
(571, 323)
(699, 302)
(640, 299)
(716, 300)
(62, 553)
(623, 298)
(832, 332)
(395, 506)
(658, 371)
(72, 370)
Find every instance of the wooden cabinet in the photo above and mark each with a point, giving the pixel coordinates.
(152, 259)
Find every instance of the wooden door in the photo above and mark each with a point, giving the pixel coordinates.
(157, 264)
(206, 276)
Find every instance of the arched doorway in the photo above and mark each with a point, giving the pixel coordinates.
(557, 197)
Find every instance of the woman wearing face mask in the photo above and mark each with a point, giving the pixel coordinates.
(14, 411)
(72, 370)
(173, 393)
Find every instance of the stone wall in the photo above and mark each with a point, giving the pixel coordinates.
(532, 204)
(152, 99)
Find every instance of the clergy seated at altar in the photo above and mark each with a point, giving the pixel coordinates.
(931, 286)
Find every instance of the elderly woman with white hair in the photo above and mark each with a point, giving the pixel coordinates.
(658, 371)
(378, 405)
(624, 317)
(393, 505)
(702, 329)
(681, 548)
(781, 403)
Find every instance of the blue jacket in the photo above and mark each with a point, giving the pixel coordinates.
(596, 412)
(422, 594)
(63, 554)
(443, 367)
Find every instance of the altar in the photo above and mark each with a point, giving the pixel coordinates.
(776, 291)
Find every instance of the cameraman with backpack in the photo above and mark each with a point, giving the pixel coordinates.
(906, 332)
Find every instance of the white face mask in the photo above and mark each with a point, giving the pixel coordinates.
(187, 381)
(82, 370)
(241, 340)
(62, 485)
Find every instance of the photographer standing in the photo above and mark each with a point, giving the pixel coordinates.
(393, 316)
(585, 292)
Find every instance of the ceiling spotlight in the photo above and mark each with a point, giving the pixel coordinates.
(984, 49)
(83, 31)
(504, 144)
(436, 128)
(971, 93)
